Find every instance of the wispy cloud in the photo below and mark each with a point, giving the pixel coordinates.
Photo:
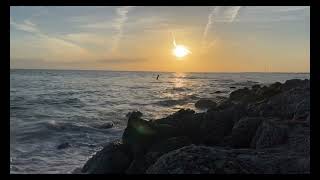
(218, 14)
(232, 12)
(26, 26)
(221, 14)
(57, 47)
(118, 24)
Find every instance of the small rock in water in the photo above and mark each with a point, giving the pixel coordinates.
(217, 92)
(106, 125)
(232, 87)
(63, 145)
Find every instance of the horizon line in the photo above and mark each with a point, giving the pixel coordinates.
(156, 71)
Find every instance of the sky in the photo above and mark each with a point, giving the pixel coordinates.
(137, 38)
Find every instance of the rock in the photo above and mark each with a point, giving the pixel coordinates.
(299, 140)
(63, 145)
(256, 86)
(232, 87)
(218, 92)
(283, 105)
(183, 123)
(302, 110)
(134, 114)
(139, 166)
(205, 104)
(216, 125)
(243, 96)
(196, 160)
(239, 94)
(269, 134)
(106, 125)
(170, 144)
(113, 158)
(244, 130)
(138, 134)
(308, 119)
(176, 119)
(294, 83)
(76, 171)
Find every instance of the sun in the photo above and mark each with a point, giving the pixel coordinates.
(180, 51)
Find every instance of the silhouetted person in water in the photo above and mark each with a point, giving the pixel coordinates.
(158, 76)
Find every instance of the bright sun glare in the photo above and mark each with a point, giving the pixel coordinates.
(180, 51)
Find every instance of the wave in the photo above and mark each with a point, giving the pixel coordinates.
(173, 102)
(245, 83)
(74, 102)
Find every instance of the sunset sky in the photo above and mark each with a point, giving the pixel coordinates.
(220, 39)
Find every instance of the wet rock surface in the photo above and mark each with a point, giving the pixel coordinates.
(258, 129)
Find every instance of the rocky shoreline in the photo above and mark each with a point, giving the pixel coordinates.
(257, 130)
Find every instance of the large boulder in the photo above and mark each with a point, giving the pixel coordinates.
(138, 134)
(185, 122)
(270, 133)
(294, 83)
(195, 160)
(113, 158)
(299, 139)
(302, 110)
(139, 165)
(215, 126)
(244, 130)
(293, 103)
(205, 104)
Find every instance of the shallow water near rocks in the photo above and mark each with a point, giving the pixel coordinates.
(52, 107)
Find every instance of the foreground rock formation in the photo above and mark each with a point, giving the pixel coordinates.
(257, 130)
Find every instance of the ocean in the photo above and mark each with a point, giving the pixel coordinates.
(51, 107)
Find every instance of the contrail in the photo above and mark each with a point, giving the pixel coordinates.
(174, 40)
(228, 15)
(210, 21)
(233, 12)
(119, 22)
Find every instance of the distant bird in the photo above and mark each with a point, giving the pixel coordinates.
(158, 76)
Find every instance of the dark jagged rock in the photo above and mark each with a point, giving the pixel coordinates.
(244, 130)
(139, 166)
(210, 160)
(256, 86)
(294, 83)
(216, 125)
(205, 104)
(270, 133)
(113, 158)
(302, 110)
(63, 145)
(189, 160)
(271, 122)
(138, 134)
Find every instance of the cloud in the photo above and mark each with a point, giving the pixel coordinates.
(118, 24)
(55, 48)
(218, 14)
(233, 12)
(26, 26)
(221, 14)
(86, 38)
